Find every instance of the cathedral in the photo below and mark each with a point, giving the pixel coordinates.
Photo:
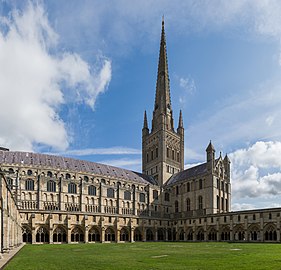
(54, 199)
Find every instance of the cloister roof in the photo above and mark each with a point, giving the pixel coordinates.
(51, 162)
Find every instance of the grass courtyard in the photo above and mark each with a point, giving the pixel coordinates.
(150, 256)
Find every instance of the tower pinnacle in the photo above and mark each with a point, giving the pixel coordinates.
(145, 125)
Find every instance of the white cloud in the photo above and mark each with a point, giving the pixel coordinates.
(188, 86)
(129, 164)
(101, 151)
(33, 80)
(256, 171)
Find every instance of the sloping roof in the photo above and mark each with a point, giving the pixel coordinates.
(51, 162)
(187, 174)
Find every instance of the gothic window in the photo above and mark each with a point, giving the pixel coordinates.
(167, 197)
(147, 158)
(254, 217)
(168, 152)
(92, 190)
(142, 197)
(177, 190)
(269, 216)
(173, 154)
(187, 204)
(218, 183)
(188, 187)
(155, 194)
(127, 195)
(222, 186)
(29, 184)
(42, 235)
(176, 206)
(200, 202)
(152, 155)
(156, 152)
(222, 204)
(110, 193)
(49, 174)
(218, 202)
(67, 176)
(72, 188)
(10, 182)
(200, 184)
(86, 178)
(29, 172)
(51, 186)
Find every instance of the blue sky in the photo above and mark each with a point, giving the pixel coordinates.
(76, 78)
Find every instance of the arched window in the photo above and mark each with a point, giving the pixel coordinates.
(11, 170)
(155, 194)
(142, 197)
(188, 187)
(72, 188)
(49, 174)
(29, 172)
(187, 204)
(167, 197)
(176, 206)
(51, 186)
(200, 184)
(10, 182)
(92, 190)
(67, 176)
(177, 190)
(29, 184)
(110, 193)
(127, 195)
(200, 202)
(86, 178)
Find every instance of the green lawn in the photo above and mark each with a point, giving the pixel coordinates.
(144, 256)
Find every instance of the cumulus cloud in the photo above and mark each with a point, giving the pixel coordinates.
(256, 171)
(35, 79)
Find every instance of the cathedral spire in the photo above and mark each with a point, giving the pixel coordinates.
(162, 97)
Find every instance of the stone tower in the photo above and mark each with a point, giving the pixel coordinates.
(162, 147)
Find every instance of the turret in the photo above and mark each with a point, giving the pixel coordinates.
(210, 156)
(226, 162)
(145, 129)
(180, 129)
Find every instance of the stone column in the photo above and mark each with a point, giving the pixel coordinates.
(278, 228)
(102, 235)
(261, 229)
(117, 236)
(60, 191)
(144, 234)
(86, 238)
(132, 234)
(156, 235)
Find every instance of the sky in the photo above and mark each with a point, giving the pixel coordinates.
(76, 77)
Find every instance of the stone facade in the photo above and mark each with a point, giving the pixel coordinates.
(63, 200)
(10, 220)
